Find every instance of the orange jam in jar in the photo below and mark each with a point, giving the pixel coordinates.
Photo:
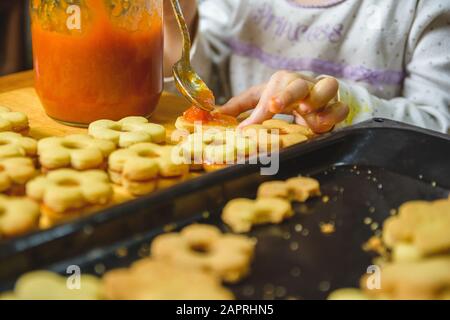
(97, 59)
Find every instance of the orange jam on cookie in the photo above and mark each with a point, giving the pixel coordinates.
(97, 59)
(195, 114)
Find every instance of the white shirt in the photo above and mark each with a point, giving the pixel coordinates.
(392, 57)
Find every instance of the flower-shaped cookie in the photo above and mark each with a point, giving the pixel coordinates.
(241, 214)
(15, 173)
(139, 166)
(420, 229)
(45, 285)
(419, 269)
(205, 247)
(150, 279)
(347, 294)
(264, 138)
(295, 189)
(17, 216)
(128, 131)
(288, 134)
(287, 128)
(217, 148)
(427, 279)
(15, 145)
(77, 151)
(12, 121)
(66, 190)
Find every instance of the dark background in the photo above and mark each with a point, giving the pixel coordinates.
(15, 50)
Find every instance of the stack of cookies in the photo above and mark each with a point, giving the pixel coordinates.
(144, 167)
(278, 132)
(18, 214)
(75, 175)
(214, 150)
(17, 162)
(58, 179)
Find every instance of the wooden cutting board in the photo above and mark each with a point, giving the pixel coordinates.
(27, 101)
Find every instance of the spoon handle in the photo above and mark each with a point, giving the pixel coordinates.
(184, 30)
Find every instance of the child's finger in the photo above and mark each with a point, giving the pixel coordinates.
(297, 90)
(321, 94)
(325, 120)
(259, 115)
(243, 102)
(278, 83)
(299, 119)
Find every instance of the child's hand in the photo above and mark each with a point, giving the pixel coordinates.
(291, 93)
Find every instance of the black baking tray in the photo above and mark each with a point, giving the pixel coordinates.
(366, 172)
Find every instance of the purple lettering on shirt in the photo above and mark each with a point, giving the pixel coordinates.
(318, 66)
(265, 17)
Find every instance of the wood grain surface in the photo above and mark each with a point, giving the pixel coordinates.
(17, 93)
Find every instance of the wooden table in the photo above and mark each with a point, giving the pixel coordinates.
(16, 81)
(17, 93)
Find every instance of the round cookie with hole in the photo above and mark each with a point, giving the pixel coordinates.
(242, 214)
(140, 167)
(206, 248)
(18, 216)
(12, 121)
(128, 131)
(13, 144)
(152, 279)
(14, 174)
(66, 194)
(78, 151)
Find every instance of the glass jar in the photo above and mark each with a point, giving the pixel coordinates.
(97, 59)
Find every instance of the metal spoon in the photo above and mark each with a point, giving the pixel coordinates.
(188, 82)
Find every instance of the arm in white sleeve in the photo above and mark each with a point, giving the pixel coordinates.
(425, 101)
